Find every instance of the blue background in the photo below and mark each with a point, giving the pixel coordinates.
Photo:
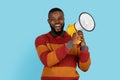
(21, 21)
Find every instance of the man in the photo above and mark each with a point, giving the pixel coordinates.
(59, 52)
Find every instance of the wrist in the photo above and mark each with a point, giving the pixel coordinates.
(82, 43)
(69, 45)
(83, 46)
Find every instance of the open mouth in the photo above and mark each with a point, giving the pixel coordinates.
(57, 27)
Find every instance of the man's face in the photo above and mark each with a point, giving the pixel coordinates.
(56, 21)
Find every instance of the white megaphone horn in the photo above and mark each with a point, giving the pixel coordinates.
(85, 22)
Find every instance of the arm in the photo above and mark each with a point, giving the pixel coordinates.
(83, 53)
(84, 58)
(48, 56)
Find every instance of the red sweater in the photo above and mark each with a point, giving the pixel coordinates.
(58, 63)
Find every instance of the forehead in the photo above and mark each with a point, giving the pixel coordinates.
(55, 13)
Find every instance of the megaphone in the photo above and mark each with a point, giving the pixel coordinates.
(85, 22)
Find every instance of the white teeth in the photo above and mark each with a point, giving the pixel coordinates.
(57, 24)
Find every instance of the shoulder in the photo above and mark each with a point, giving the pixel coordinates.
(67, 36)
(41, 39)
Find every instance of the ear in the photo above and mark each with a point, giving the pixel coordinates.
(48, 21)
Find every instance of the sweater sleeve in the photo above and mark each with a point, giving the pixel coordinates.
(47, 55)
(84, 59)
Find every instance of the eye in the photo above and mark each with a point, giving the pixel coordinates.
(52, 19)
(61, 18)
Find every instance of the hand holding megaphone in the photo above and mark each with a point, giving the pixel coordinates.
(85, 22)
(78, 37)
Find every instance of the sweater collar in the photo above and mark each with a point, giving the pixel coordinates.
(55, 35)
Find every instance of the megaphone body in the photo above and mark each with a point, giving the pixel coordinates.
(72, 29)
(85, 22)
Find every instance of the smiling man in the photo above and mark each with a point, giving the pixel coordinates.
(59, 52)
(56, 21)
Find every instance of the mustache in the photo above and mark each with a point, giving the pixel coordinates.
(54, 31)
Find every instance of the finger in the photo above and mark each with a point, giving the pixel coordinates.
(80, 32)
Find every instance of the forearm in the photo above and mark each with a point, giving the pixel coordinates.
(57, 55)
(50, 58)
(84, 58)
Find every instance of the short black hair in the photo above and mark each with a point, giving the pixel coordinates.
(55, 9)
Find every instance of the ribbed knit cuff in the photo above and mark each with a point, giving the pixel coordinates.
(83, 47)
(69, 44)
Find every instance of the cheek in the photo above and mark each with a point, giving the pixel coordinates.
(62, 21)
(52, 23)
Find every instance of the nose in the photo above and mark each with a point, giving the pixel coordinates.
(57, 21)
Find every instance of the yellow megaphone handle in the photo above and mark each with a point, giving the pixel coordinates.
(71, 29)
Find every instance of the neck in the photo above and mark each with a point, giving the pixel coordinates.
(55, 35)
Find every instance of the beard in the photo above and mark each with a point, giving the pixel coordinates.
(57, 32)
